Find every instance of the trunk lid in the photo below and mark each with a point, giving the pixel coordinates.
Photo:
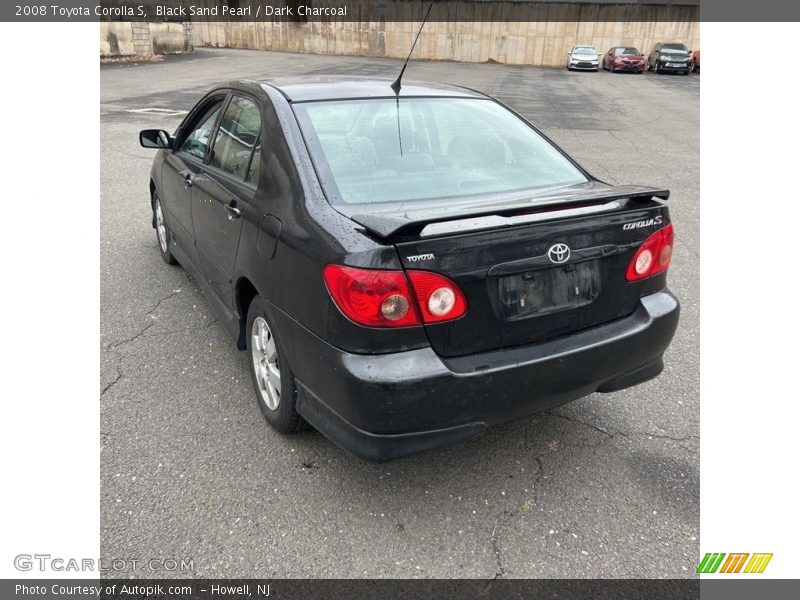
(535, 276)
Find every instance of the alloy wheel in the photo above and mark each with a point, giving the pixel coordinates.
(161, 228)
(264, 354)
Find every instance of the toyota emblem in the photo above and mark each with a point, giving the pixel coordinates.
(558, 253)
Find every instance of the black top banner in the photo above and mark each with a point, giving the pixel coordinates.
(302, 11)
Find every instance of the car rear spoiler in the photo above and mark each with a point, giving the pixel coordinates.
(410, 219)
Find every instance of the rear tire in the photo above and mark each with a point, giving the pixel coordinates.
(163, 232)
(273, 381)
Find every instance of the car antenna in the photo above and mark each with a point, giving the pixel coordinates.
(397, 82)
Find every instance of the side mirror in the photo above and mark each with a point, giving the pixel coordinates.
(155, 138)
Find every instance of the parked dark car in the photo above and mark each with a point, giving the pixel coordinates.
(670, 58)
(624, 58)
(405, 269)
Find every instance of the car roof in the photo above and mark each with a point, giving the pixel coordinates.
(309, 89)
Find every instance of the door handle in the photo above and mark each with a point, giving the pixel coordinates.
(233, 212)
(188, 179)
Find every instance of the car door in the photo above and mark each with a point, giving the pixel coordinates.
(224, 191)
(183, 163)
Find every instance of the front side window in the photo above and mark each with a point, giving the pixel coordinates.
(196, 143)
(236, 137)
(384, 150)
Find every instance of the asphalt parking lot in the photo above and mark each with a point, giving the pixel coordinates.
(607, 486)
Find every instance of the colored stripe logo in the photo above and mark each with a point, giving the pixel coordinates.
(714, 562)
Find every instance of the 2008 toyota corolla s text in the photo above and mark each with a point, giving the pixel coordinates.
(407, 267)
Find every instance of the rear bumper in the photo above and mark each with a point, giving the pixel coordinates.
(381, 407)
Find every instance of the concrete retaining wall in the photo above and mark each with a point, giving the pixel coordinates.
(125, 38)
(544, 38)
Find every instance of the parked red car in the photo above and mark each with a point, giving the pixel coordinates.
(624, 58)
(696, 61)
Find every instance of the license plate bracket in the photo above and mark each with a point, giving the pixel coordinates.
(546, 291)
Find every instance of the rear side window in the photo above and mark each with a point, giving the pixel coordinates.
(236, 138)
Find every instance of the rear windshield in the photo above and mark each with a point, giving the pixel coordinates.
(385, 150)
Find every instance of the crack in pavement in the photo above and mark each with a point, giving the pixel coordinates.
(173, 294)
(625, 434)
(501, 571)
(133, 338)
(112, 384)
(538, 477)
(183, 329)
(605, 432)
(149, 313)
(507, 515)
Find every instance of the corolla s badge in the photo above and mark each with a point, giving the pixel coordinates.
(558, 253)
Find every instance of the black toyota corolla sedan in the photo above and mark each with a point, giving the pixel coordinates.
(405, 269)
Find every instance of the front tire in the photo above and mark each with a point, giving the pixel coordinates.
(273, 382)
(163, 233)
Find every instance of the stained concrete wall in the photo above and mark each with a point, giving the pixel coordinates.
(125, 38)
(543, 38)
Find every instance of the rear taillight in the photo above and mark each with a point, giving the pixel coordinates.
(370, 297)
(378, 298)
(438, 298)
(653, 256)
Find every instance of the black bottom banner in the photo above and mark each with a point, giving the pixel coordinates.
(368, 589)
(386, 589)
